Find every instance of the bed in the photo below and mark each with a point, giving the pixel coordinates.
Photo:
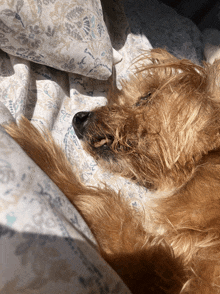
(56, 59)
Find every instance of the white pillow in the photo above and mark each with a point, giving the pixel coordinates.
(65, 34)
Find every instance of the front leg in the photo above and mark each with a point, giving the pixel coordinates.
(144, 262)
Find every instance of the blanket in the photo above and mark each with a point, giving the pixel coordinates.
(56, 59)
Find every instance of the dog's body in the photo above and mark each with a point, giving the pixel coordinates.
(162, 130)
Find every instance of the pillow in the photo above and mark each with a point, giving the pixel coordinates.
(69, 35)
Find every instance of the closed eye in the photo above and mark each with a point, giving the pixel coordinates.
(143, 98)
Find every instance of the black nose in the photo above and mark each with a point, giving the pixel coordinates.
(80, 121)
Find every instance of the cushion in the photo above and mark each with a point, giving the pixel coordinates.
(65, 34)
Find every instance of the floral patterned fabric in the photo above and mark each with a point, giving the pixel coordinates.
(45, 245)
(66, 34)
(42, 249)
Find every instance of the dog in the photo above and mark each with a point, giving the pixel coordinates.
(162, 130)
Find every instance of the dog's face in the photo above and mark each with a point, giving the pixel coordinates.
(158, 127)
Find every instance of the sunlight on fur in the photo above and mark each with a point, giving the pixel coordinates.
(162, 131)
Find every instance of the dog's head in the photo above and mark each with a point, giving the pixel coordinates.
(158, 127)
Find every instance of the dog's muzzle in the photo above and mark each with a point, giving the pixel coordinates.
(80, 122)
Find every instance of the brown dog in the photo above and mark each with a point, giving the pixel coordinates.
(163, 131)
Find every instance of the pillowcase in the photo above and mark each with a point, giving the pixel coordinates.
(69, 35)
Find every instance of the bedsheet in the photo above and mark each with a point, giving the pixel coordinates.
(45, 245)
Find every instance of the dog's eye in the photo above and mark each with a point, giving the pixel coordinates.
(143, 98)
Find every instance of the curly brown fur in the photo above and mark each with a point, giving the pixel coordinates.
(161, 130)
